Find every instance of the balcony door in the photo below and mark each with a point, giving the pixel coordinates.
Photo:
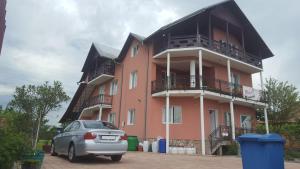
(208, 77)
(213, 114)
(101, 93)
(172, 79)
(246, 122)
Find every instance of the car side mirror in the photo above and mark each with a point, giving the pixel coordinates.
(59, 131)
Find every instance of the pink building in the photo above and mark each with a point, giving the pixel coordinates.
(198, 69)
(2, 21)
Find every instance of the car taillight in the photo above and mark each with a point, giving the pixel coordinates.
(124, 137)
(89, 136)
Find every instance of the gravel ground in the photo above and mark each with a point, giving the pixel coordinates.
(140, 160)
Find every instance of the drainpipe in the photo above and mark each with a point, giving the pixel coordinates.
(121, 91)
(146, 97)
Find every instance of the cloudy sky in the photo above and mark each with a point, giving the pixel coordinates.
(48, 40)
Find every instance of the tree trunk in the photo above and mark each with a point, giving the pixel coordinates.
(38, 130)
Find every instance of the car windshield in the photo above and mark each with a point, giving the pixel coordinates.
(99, 125)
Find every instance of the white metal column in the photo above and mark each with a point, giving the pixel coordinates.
(265, 108)
(261, 81)
(266, 120)
(232, 119)
(201, 105)
(231, 101)
(229, 74)
(100, 113)
(168, 104)
(192, 73)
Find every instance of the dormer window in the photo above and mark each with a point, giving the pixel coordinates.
(134, 50)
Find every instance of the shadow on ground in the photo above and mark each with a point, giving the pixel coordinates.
(89, 160)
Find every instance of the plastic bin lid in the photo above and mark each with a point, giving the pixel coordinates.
(261, 138)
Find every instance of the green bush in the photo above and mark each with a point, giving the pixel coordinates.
(291, 132)
(230, 149)
(292, 154)
(12, 146)
(290, 129)
(14, 140)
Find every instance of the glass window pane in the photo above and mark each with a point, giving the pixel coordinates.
(164, 114)
(177, 114)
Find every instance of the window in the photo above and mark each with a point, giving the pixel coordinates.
(111, 118)
(97, 116)
(134, 50)
(113, 87)
(75, 126)
(131, 117)
(68, 128)
(172, 78)
(175, 115)
(133, 80)
(227, 120)
(90, 124)
(246, 122)
(235, 79)
(101, 93)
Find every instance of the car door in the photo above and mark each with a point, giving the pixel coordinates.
(59, 140)
(64, 144)
(68, 137)
(75, 133)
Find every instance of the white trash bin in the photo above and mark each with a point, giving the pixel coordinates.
(145, 146)
(154, 146)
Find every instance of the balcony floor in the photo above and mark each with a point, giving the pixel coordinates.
(209, 55)
(210, 95)
(90, 110)
(100, 79)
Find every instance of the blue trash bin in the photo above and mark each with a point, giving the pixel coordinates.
(262, 151)
(162, 146)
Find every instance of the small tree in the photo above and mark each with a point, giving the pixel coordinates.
(37, 102)
(283, 101)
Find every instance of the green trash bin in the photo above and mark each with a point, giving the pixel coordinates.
(132, 143)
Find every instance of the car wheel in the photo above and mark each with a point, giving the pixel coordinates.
(116, 158)
(52, 151)
(71, 153)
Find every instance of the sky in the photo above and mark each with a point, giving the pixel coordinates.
(47, 40)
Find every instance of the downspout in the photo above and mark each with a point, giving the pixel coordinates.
(146, 97)
(121, 91)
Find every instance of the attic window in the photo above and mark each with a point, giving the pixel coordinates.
(134, 50)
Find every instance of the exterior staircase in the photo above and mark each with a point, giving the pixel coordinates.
(219, 137)
(222, 136)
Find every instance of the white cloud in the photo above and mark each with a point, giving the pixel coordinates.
(6, 89)
(50, 39)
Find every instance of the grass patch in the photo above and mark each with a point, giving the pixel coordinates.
(292, 154)
(41, 143)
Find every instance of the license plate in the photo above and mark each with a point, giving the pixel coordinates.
(108, 137)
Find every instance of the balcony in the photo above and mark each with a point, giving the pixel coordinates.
(221, 47)
(189, 83)
(104, 100)
(101, 74)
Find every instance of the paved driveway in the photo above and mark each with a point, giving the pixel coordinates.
(138, 160)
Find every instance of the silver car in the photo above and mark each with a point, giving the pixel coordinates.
(90, 137)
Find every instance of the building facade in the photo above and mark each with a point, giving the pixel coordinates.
(2, 21)
(198, 69)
